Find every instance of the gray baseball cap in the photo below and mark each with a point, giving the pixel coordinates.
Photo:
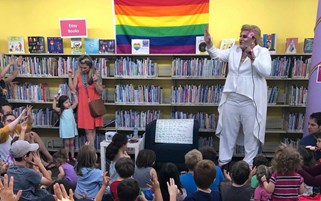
(21, 147)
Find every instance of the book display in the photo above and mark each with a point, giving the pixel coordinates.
(16, 44)
(141, 88)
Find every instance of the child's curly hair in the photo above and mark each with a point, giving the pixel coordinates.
(286, 159)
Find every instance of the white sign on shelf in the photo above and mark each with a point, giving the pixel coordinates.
(176, 131)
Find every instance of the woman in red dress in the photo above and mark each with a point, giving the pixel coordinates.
(86, 78)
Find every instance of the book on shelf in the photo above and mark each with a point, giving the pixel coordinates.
(291, 45)
(55, 45)
(16, 44)
(91, 45)
(140, 46)
(227, 43)
(76, 45)
(107, 46)
(200, 47)
(308, 45)
(36, 44)
(270, 42)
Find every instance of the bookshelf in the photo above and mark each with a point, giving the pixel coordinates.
(141, 78)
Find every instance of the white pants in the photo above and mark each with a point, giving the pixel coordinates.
(238, 112)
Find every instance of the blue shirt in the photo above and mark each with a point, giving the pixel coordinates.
(25, 179)
(91, 181)
(189, 184)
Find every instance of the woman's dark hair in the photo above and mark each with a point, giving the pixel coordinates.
(61, 101)
(145, 158)
(307, 156)
(86, 158)
(118, 141)
(167, 171)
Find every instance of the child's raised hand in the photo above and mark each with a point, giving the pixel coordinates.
(6, 190)
(29, 108)
(69, 72)
(172, 187)
(11, 60)
(61, 193)
(19, 61)
(153, 184)
(227, 175)
(106, 178)
(263, 178)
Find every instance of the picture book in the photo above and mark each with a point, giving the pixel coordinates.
(227, 43)
(291, 45)
(55, 45)
(16, 44)
(308, 45)
(36, 44)
(200, 47)
(270, 42)
(91, 45)
(76, 46)
(140, 46)
(107, 46)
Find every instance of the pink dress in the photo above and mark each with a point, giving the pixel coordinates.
(85, 120)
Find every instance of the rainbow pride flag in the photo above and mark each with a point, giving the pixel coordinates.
(170, 25)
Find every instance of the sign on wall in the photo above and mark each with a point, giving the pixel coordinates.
(73, 28)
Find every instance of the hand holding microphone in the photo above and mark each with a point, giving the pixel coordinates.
(249, 53)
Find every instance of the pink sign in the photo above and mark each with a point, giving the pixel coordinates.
(73, 28)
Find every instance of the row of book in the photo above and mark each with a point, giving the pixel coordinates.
(28, 92)
(130, 67)
(193, 94)
(133, 118)
(290, 67)
(295, 122)
(52, 66)
(45, 117)
(205, 120)
(140, 94)
(198, 67)
(37, 44)
(286, 67)
(297, 95)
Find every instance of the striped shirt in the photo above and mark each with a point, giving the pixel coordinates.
(287, 187)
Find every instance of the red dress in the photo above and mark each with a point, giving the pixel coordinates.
(85, 120)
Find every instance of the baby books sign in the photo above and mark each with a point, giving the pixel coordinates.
(140, 46)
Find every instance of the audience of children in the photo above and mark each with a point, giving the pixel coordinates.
(209, 153)
(125, 169)
(191, 159)
(67, 124)
(67, 173)
(115, 150)
(169, 171)
(260, 193)
(285, 182)
(239, 188)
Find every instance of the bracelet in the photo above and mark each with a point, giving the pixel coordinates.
(264, 181)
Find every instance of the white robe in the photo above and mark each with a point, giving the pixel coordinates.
(240, 80)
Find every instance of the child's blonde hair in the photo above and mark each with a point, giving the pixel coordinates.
(286, 159)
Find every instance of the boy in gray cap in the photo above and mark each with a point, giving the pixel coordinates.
(27, 179)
